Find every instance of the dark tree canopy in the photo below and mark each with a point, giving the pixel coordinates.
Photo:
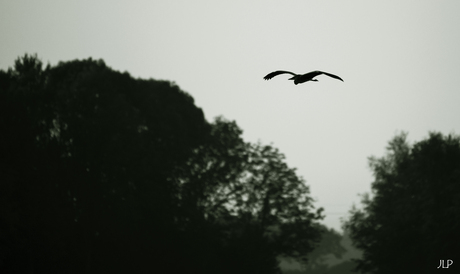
(104, 173)
(412, 220)
(87, 155)
(258, 204)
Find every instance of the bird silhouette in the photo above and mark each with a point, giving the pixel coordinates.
(301, 78)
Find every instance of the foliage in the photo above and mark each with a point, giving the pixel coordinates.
(87, 153)
(412, 220)
(329, 245)
(345, 267)
(104, 173)
(258, 204)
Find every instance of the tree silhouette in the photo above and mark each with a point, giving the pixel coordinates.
(412, 220)
(104, 173)
(86, 161)
(256, 204)
(329, 245)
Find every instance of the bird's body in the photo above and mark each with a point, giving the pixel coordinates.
(301, 78)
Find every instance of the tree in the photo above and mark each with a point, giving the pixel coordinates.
(329, 245)
(256, 206)
(102, 172)
(85, 163)
(412, 220)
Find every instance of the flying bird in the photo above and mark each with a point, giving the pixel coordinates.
(301, 78)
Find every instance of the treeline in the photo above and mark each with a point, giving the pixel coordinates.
(104, 173)
(411, 221)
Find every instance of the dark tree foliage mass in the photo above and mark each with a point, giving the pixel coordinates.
(104, 173)
(413, 219)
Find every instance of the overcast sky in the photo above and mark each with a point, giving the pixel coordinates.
(400, 61)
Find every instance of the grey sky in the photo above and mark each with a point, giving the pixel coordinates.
(400, 61)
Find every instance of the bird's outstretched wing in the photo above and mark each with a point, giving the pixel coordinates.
(328, 74)
(278, 72)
